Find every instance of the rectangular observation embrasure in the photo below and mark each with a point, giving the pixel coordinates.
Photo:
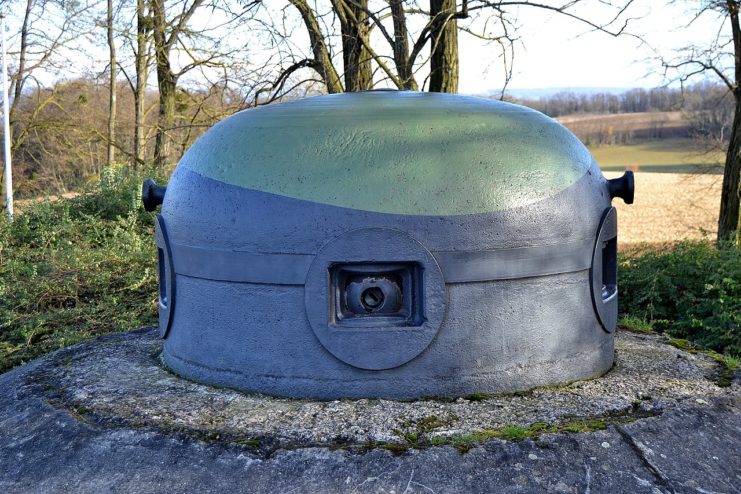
(375, 294)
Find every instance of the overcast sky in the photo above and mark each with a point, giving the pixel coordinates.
(554, 51)
(558, 52)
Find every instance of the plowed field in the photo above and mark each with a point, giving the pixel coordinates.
(669, 207)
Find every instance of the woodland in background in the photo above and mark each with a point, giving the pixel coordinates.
(65, 146)
(149, 76)
(703, 112)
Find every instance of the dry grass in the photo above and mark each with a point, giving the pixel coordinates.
(669, 207)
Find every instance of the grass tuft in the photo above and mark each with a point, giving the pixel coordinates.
(635, 324)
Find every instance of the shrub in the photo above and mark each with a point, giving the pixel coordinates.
(76, 268)
(691, 290)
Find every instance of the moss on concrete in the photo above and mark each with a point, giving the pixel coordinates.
(728, 364)
(425, 436)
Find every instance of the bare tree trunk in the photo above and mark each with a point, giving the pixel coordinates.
(140, 92)
(401, 46)
(112, 90)
(166, 83)
(729, 219)
(18, 86)
(167, 86)
(165, 34)
(355, 27)
(444, 39)
(322, 62)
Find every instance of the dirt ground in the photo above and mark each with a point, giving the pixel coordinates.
(21, 203)
(669, 207)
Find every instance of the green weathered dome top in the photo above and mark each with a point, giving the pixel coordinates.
(394, 152)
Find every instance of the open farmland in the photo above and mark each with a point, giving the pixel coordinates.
(669, 207)
(649, 141)
(681, 203)
(625, 128)
(669, 122)
(674, 155)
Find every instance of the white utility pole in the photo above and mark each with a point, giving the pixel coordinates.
(6, 127)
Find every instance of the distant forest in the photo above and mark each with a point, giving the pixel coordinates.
(702, 97)
(703, 112)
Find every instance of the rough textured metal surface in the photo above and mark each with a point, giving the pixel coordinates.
(497, 336)
(104, 416)
(506, 202)
(204, 212)
(505, 344)
(457, 266)
(394, 152)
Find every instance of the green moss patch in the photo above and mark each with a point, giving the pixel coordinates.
(426, 436)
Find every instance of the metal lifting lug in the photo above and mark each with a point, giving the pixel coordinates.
(623, 187)
(152, 194)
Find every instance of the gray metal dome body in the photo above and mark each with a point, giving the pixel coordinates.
(386, 244)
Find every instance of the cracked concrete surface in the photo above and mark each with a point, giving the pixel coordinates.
(105, 416)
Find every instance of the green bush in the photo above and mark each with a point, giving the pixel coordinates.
(690, 290)
(76, 268)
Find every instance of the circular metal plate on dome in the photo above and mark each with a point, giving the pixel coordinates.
(375, 298)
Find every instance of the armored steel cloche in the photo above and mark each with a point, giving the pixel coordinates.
(387, 244)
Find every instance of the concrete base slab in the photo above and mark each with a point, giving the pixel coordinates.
(105, 416)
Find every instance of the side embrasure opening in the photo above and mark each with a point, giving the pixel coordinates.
(603, 273)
